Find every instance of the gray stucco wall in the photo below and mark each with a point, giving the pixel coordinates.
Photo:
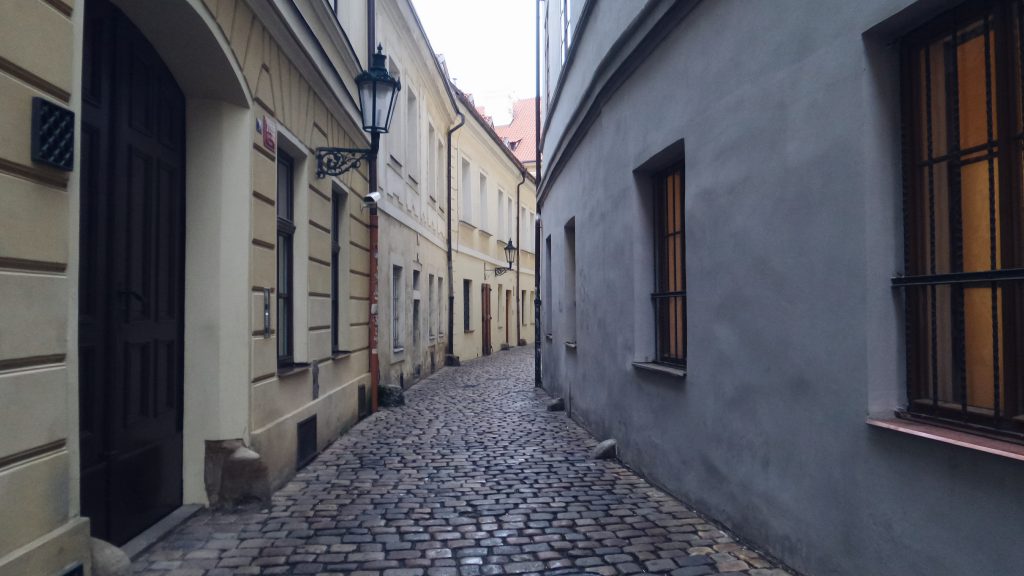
(789, 113)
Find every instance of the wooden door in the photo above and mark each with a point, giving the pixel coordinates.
(132, 279)
(508, 315)
(485, 317)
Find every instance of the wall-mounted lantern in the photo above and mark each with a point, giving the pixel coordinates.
(378, 93)
(510, 256)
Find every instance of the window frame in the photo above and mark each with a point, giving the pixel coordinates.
(339, 203)
(1005, 277)
(467, 309)
(663, 288)
(285, 231)
(397, 344)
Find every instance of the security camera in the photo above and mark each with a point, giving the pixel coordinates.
(371, 199)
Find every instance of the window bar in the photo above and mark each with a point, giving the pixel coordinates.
(992, 217)
(666, 236)
(933, 292)
(659, 337)
(956, 228)
(677, 247)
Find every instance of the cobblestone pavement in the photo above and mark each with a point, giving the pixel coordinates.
(472, 477)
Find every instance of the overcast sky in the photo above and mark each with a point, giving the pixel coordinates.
(488, 46)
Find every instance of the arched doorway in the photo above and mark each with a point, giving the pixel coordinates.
(131, 281)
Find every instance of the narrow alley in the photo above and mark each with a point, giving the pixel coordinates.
(472, 476)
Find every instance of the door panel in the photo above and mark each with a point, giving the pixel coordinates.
(485, 315)
(136, 274)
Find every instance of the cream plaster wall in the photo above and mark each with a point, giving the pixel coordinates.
(232, 69)
(479, 241)
(39, 528)
(412, 207)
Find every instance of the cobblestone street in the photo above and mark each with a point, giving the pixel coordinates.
(472, 476)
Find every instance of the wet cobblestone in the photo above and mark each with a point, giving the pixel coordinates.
(472, 477)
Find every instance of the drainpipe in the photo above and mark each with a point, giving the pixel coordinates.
(519, 247)
(537, 234)
(371, 27)
(449, 359)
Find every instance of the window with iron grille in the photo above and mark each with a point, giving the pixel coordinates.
(440, 306)
(569, 281)
(285, 273)
(396, 307)
(962, 284)
(467, 292)
(337, 272)
(416, 310)
(431, 318)
(669, 298)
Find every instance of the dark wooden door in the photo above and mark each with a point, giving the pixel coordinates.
(485, 317)
(132, 279)
(508, 314)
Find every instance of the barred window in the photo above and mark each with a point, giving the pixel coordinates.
(962, 218)
(396, 307)
(669, 297)
(285, 262)
(339, 272)
(467, 292)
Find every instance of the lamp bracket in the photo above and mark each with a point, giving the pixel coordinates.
(336, 161)
(496, 271)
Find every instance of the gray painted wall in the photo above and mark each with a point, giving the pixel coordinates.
(789, 112)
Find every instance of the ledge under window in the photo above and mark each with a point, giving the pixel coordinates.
(570, 344)
(950, 436)
(674, 371)
(339, 354)
(293, 368)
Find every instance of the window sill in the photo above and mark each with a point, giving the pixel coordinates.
(339, 354)
(470, 331)
(399, 350)
(486, 233)
(664, 369)
(570, 345)
(548, 337)
(467, 223)
(292, 369)
(949, 436)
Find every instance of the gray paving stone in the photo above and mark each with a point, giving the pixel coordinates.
(472, 476)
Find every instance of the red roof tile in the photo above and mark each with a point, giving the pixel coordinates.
(520, 135)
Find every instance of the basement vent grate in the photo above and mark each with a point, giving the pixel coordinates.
(307, 442)
(364, 404)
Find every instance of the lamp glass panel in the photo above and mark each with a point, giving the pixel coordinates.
(387, 93)
(366, 103)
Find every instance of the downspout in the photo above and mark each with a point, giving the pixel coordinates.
(450, 359)
(371, 27)
(519, 247)
(537, 382)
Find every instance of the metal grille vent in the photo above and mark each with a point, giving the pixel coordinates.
(53, 134)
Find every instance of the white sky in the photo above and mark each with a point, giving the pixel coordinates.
(488, 46)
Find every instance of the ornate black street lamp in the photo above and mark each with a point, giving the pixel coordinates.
(510, 256)
(378, 93)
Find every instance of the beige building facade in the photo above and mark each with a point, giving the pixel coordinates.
(494, 201)
(144, 362)
(412, 168)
